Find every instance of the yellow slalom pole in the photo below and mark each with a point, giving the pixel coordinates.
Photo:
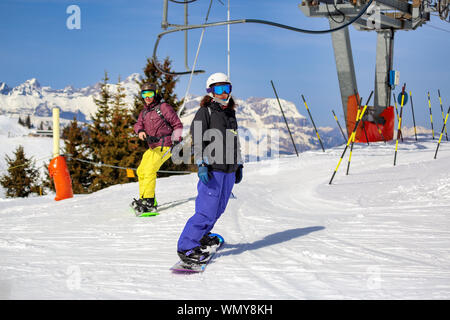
(442, 111)
(442, 132)
(348, 142)
(395, 104)
(399, 126)
(339, 125)
(312, 120)
(414, 118)
(431, 115)
(351, 147)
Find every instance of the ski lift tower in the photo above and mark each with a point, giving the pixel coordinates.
(384, 17)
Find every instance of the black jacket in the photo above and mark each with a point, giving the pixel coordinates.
(215, 138)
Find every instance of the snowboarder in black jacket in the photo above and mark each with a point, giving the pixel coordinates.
(217, 155)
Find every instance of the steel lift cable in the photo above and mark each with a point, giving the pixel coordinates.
(258, 21)
(195, 61)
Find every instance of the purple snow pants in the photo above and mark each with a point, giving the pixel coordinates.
(211, 202)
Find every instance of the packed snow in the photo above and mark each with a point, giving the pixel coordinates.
(382, 232)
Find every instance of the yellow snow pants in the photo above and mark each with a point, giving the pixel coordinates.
(152, 160)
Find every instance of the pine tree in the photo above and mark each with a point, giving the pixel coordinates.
(120, 146)
(164, 82)
(22, 178)
(103, 114)
(75, 145)
(125, 141)
(99, 131)
(47, 182)
(28, 122)
(112, 139)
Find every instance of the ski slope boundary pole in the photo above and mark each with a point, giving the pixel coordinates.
(359, 106)
(351, 147)
(402, 104)
(339, 125)
(399, 124)
(414, 119)
(284, 117)
(431, 114)
(442, 132)
(348, 142)
(374, 118)
(312, 120)
(442, 111)
(395, 104)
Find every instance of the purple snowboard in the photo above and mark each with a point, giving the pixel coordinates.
(183, 267)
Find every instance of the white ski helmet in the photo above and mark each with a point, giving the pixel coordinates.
(218, 77)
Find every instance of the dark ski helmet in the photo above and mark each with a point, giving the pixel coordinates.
(149, 87)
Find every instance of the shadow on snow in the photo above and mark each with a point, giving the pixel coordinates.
(175, 203)
(272, 239)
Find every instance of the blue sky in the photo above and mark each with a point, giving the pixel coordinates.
(118, 36)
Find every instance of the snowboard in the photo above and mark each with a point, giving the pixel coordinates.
(144, 214)
(184, 267)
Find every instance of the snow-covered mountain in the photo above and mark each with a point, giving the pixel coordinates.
(261, 123)
(30, 98)
(257, 117)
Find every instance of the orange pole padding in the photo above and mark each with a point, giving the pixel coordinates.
(61, 177)
(352, 110)
(387, 129)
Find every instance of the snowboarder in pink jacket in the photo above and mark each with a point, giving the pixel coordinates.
(158, 125)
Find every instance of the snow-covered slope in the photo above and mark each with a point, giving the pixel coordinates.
(382, 232)
(12, 135)
(11, 128)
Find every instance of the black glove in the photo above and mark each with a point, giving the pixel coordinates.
(174, 144)
(239, 174)
(152, 139)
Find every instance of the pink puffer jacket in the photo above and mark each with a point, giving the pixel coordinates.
(151, 123)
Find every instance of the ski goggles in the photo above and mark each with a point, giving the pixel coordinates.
(221, 88)
(147, 94)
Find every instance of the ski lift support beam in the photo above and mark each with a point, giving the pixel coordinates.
(383, 16)
(165, 25)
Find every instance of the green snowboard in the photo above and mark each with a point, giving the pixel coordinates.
(146, 214)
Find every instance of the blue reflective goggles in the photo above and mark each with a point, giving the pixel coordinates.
(147, 94)
(222, 88)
